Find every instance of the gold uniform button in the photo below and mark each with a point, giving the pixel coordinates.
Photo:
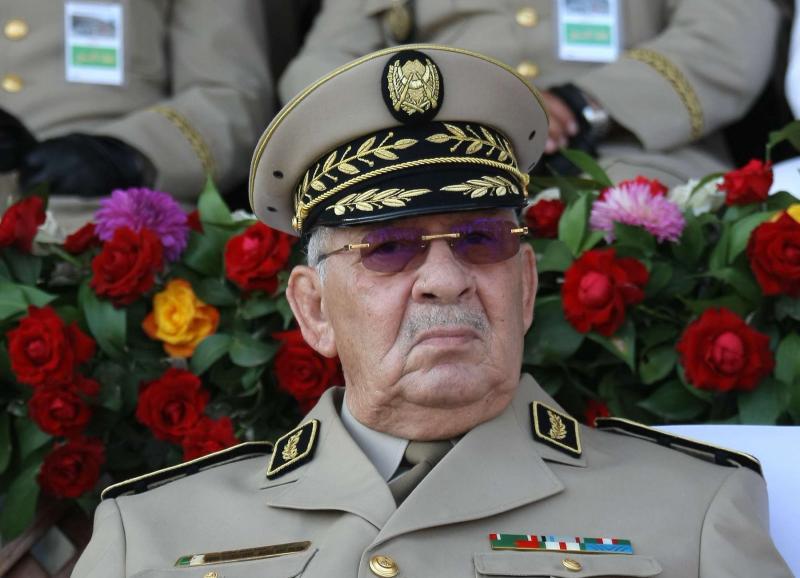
(15, 29)
(527, 17)
(383, 566)
(210, 575)
(528, 69)
(571, 564)
(11, 83)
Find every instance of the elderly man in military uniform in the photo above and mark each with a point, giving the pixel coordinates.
(404, 171)
(115, 94)
(646, 87)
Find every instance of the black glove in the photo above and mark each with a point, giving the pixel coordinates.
(15, 142)
(84, 165)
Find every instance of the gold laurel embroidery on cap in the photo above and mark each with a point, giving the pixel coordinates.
(495, 144)
(375, 199)
(413, 86)
(290, 451)
(196, 141)
(488, 185)
(558, 431)
(669, 70)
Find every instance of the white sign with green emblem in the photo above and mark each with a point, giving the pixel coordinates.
(589, 30)
(94, 42)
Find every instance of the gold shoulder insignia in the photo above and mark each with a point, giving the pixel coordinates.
(555, 429)
(705, 451)
(293, 449)
(152, 480)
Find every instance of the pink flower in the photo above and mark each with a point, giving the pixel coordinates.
(633, 203)
(143, 208)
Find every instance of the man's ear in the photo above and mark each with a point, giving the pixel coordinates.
(304, 294)
(530, 283)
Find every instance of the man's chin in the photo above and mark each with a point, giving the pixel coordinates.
(451, 385)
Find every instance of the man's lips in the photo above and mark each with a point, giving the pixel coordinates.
(446, 336)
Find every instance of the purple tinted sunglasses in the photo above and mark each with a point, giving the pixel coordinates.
(478, 242)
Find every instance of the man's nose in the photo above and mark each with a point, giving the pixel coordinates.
(442, 277)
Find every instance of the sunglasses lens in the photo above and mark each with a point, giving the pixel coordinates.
(486, 241)
(391, 249)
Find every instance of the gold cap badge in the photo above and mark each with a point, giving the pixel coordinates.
(412, 87)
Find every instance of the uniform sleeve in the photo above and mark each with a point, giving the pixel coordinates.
(701, 73)
(222, 98)
(735, 538)
(343, 30)
(104, 557)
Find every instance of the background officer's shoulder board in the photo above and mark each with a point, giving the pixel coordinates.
(705, 451)
(152, 480)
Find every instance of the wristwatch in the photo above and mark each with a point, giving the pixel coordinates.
(592, 118)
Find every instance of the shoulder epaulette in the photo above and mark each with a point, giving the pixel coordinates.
(164, 476)
(698, 449)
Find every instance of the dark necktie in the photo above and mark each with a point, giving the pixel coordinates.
(421, 456)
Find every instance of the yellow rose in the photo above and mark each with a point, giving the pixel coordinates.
(179, 319)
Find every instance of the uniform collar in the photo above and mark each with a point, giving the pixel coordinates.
(384, 451)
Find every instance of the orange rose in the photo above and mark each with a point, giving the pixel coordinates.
(179, 319)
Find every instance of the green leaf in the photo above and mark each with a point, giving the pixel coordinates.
(658, 334)
(790, 133)
(285, 310)
(705, 180)
(29, 437)
(211, 207)
(215, 291)
(556, 257)
(635, 238)
(733, 302)
(591, 240)
(257, 306)
(781, 201)
(740, 233)
(740, 281)
(5, 273)
(25, 268)
(622, 343)
(208, 351)
(5, 441)
(573, 224)
(660, 276)
(588, 165)
(12, 300)
(107, 324)
(672, 402)
(765, 404)
(787, 360)
(551, 338)
(657, 363)
(205, 252)
(719, 254)
(787, 307)
(19, 505)
(692, 243)
(36, 296)
(246, 351)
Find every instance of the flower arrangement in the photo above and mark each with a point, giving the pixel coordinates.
(150, 337)
(146, 338)
(664, 306)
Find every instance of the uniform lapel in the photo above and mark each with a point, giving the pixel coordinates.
(339, 477)
(494, 468)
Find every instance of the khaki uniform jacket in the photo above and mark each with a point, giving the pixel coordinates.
(685, 517)
(690, 67)
(197, 95)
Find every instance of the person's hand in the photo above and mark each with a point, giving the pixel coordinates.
(84, 165)
(15, 141)
(563, 124)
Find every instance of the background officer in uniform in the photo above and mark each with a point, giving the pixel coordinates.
(404, 171)
(687, 70)
(184, 94)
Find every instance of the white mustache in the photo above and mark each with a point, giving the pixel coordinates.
(431, 316)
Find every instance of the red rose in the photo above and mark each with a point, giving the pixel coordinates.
(21, 222)
(594, 409)
(774, 254)
(254, 258)
(193, 220)
(657, 188)
(303, 372)
(719, 351)
(208, 436)
(126, 267)
(750, 184)
(543, 217)
(597, 289)
(172, 404)
(72, 468)
(44, 351)
(59, 411)
(82, 240)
